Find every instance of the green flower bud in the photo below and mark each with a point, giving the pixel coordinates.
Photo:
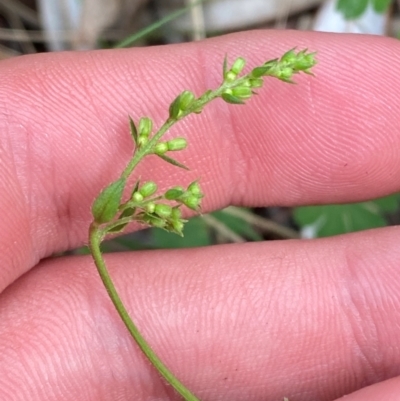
(230, 76)
(175, 108)
(176, 213)
(194, 188)
(177, 144)
(142, 140)
(161, 148)
(256, 82)
(177, 226)
(185, 100)
(148, 188)
(154, 221)
(137, 197)
(163, 211)
(192, 202)
(238, 65)
(246, 83)
(145, 126)
(285, 74)
(229, 98)
(151, 207)
(242, 92)
(289, 57)
(174, 193)
(304, 62)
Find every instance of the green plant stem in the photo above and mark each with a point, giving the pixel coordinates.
(96, 235)
(143, 32)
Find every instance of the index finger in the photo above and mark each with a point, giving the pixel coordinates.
(64, 131)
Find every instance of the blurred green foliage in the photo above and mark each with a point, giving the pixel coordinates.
(353, 9)
(327, 220)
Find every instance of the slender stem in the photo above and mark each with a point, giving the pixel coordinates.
(262, 222)
(95, 238)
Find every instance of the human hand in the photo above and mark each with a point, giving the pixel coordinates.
(309, 320)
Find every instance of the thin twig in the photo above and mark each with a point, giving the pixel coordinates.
(15, 23)
(6, 52)
(222, 229)
(24, 12)
(263, 223)
(196, 12)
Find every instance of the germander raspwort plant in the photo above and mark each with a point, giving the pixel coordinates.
(113, 209)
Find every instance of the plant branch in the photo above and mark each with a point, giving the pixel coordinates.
(95, 238)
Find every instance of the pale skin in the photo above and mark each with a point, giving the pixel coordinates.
(309, 320)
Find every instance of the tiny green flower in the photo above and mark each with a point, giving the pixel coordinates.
(186, 100)
(256, 82)
(154, 221)
(192, 202)
(289, 57)
(145, 126)
(177, 226)
(177, 144)
(161, 148)
(162, 210)
(150, 207)
(285, 74)
(230, 76)
(142, 140)
(238, 65)
(175, 109)
(194, 188)
(148, 189)
(242, 92)
(304, 62)
(174, 193)
(176, 213)
(137, 197)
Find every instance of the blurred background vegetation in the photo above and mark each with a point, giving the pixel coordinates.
(28, 26)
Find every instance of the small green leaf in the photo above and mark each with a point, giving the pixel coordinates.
(173, 161)
(231, 99)
(105, 207)
(174, 193)
(381, 6)
(264, 69)
(259, 72)
(225, 66)
(128, 212)
(352, 9)
(133, 130)
(118, 229)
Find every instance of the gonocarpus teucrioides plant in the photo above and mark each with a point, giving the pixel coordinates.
(117, 206)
